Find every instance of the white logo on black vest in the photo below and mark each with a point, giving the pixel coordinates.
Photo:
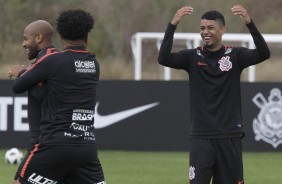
(85, 66)
(268, 125)
(225, 64)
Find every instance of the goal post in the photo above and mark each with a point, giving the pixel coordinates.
(192, 40)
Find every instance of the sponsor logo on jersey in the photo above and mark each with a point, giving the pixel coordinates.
(82, 115)
(225, 63)
(87, 136)
(80, 127)
(38, 179)
(85, 66)
(268, 124)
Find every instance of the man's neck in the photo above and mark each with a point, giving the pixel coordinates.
(45, 45)
(69, 43)
(214, 49)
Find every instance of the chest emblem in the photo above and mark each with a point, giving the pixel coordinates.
(225, 64)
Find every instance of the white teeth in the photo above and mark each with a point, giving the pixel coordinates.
(27, 50)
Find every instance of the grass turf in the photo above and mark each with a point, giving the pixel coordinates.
(130, 167)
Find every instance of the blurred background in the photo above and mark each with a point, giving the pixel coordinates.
(163, 126)
(117, 20)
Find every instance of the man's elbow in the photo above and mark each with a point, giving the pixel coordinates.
(17, 89)
(267, 54)
(161, 60)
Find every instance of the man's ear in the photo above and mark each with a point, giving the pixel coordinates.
(39, 38)
(223, 30)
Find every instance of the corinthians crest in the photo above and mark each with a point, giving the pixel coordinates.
(268, 125)
(225, 63)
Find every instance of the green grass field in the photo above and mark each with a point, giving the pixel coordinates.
(127, 167)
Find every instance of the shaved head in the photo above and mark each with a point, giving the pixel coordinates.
(37, 36)
(39, 27)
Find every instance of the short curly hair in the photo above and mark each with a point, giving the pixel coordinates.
(214, 15)
(74, 24)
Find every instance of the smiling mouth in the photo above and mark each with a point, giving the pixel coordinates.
(207, 38)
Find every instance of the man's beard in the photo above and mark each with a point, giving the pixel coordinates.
(209, 46)
(33, 52)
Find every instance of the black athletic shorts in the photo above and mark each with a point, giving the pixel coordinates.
(17, 175)
(30, 148)
(219, 160)
(67, 164)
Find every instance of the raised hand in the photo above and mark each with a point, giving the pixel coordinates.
(186, 10)
(242, 12)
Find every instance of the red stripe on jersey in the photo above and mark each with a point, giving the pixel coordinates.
(28, 160)
(38, 61)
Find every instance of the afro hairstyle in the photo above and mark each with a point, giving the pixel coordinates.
(74, 24)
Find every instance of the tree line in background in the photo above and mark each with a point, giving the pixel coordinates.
(117, 20)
